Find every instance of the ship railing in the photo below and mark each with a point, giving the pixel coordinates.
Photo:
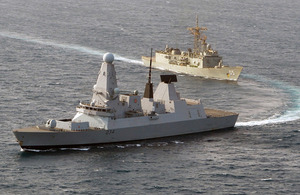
(87, 106)
(129, 93)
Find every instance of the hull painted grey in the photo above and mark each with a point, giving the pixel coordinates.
(112, 117)
(34, 138)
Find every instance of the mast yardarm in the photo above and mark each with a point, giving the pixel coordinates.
(199, 37)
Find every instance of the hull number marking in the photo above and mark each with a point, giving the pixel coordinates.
(108, 132)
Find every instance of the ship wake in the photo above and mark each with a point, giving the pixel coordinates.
(73, 47)
(292, 114)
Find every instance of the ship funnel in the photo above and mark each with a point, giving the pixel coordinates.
(149, 86)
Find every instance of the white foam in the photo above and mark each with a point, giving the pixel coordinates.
(290, 115)
(178, 142)
(35, 150)
(118, 146)
(79, 48)
(267, 179)
(79, 149)
(123, 59)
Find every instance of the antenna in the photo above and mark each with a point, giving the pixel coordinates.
(149, 86)
(199, 37)
(150, 67)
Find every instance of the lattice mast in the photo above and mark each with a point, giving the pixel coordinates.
(199, 37)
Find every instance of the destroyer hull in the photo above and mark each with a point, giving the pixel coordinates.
(221, 73)
(36, 138)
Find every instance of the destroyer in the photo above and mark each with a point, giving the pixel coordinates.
(201, 61)
(112, 116)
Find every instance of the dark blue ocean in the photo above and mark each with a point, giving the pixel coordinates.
(51, 52)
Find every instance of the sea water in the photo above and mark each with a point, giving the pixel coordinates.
(51, 52)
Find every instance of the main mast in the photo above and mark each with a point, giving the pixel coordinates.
(149, 86)
(199, 37)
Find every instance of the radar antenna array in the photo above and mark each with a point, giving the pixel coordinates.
(199, 37)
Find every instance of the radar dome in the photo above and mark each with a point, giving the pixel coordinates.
(108, 57)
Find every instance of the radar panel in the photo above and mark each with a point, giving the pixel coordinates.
(168, 78)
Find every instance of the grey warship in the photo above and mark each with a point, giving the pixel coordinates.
(202, 61)
(112, 116)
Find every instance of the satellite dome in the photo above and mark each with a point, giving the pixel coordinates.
(108, 57)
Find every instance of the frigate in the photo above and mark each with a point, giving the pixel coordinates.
(202, 61)
(115, 116)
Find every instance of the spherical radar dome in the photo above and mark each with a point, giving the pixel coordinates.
(108, 57)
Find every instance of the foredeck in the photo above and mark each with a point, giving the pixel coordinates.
(33, 129)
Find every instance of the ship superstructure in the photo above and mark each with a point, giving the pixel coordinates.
(111, 116)
(202, 60)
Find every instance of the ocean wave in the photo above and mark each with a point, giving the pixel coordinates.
(75, 47)
(292, 114)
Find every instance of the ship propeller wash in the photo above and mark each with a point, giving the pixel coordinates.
(202, 61)
(112, 116)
